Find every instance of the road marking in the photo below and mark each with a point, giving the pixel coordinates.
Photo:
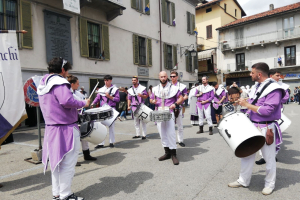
(24, 144)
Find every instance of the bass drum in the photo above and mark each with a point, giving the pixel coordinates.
(96, 133)
(110, 121)
(241, 135)
(143, 112)
(284, 122)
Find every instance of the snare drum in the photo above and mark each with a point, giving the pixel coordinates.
(143, 112)
(98, 114)
(160, 116)
(109, 121)
(95, 132)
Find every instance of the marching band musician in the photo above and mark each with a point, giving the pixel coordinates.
(220, 97)
(136, 96)
(172, 98)
(183, 90)
(108, 94)
(62, 136)
(264, 107)
(193, 107)
(73, 80)
(205, 94)
(275, 75)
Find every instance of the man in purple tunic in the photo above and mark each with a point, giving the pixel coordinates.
(136, 95)
(167, 96)
(205, 94)
(183, 90)
(263, 111)
(108, 94)
(220, 97)
(62, 136)
(275, 74)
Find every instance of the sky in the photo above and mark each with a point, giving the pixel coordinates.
(252, 7)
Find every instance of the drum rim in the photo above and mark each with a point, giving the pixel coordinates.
(89, 132)
(228, 114)
(90, 111)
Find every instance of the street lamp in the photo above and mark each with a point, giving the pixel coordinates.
(193, 53)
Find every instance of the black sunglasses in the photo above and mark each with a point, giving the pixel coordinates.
(172, 76)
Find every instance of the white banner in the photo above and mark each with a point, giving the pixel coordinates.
(72, 5)
(12, 106)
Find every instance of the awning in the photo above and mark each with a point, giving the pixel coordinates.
(205, 55)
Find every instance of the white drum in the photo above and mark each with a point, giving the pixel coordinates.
(160, 116)
(241, 135)
(108, 122)
(284, 122)
(143, 112)
(98, 114)
(96, 134)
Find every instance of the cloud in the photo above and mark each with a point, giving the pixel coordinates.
(252, 7)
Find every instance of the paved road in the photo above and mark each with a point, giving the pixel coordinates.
(131, 169)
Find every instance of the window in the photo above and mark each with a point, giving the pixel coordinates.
(191, 62)
(170, 56)
(288, 26)
(235, 12)
(290, 55)
(208, 10)
(240, 62)
(140, 5)
(239, 37)
(209, 32)
(190, 23)
(225, 7)
(8, 15)
(94, 40)
(142, 51)
(168, 12)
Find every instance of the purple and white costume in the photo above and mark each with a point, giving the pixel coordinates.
(193, 107)
(207, 94)
(166, 129)
(268, 112)
(183, 91)
(62, 136)
(132, 95)
(102, 99)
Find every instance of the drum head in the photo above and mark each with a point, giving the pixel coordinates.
(250, 146)
(97, 110)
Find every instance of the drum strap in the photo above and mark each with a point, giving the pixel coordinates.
(109, 94)
(259, 93)
(135, 95)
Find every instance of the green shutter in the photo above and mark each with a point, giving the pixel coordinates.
(146, 3)
(149, 52)
(193, 24)
(26, 24)
(174, 55)
(165, 55)
(133, 4)
(188, 22)
(187, 63)
(84, 45)
(105, 39)
(173, 12)
(163, 10)
(135, 49)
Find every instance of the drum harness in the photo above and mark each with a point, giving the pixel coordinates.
(256, 99)
(176, 109)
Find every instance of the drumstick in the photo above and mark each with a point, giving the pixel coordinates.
(90, 95)
(238, 101)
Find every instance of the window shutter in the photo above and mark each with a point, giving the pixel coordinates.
(26, 24)
(193, 24)
(149, 52)
(105, 39)
(84, 45)
(165, 55)
(187, 63)
(146, 3)
(133, 4)
(173, 12)
(188, 22)
(164, 10)
(174, 55)
(135, 49)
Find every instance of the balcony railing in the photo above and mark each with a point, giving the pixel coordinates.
(262, 39)
(200, 41)
(233, 67)
(290, 63)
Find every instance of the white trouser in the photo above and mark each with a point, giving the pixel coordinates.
(180, 127)
(84, 145)
(207, 113)
(167, 133)
(137, 123)
(268, 151)
(111, 134)
(63, 175)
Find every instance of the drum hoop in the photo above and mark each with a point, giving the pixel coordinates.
(236, 112)
(90, 111)
(89, 132)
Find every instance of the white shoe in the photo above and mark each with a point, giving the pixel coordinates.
(119, 118)
(235, 184)
(267, 191)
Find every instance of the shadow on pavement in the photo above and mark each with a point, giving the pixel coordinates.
(187, 154)
(108, 159)
(130, 144)
(288, 156)
(110, 186)
(194, 142)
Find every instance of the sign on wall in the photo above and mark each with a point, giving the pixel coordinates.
(58, 36)
(72, 5)
(143, 71)
(290, 76)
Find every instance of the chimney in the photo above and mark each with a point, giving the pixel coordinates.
(271, 6)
